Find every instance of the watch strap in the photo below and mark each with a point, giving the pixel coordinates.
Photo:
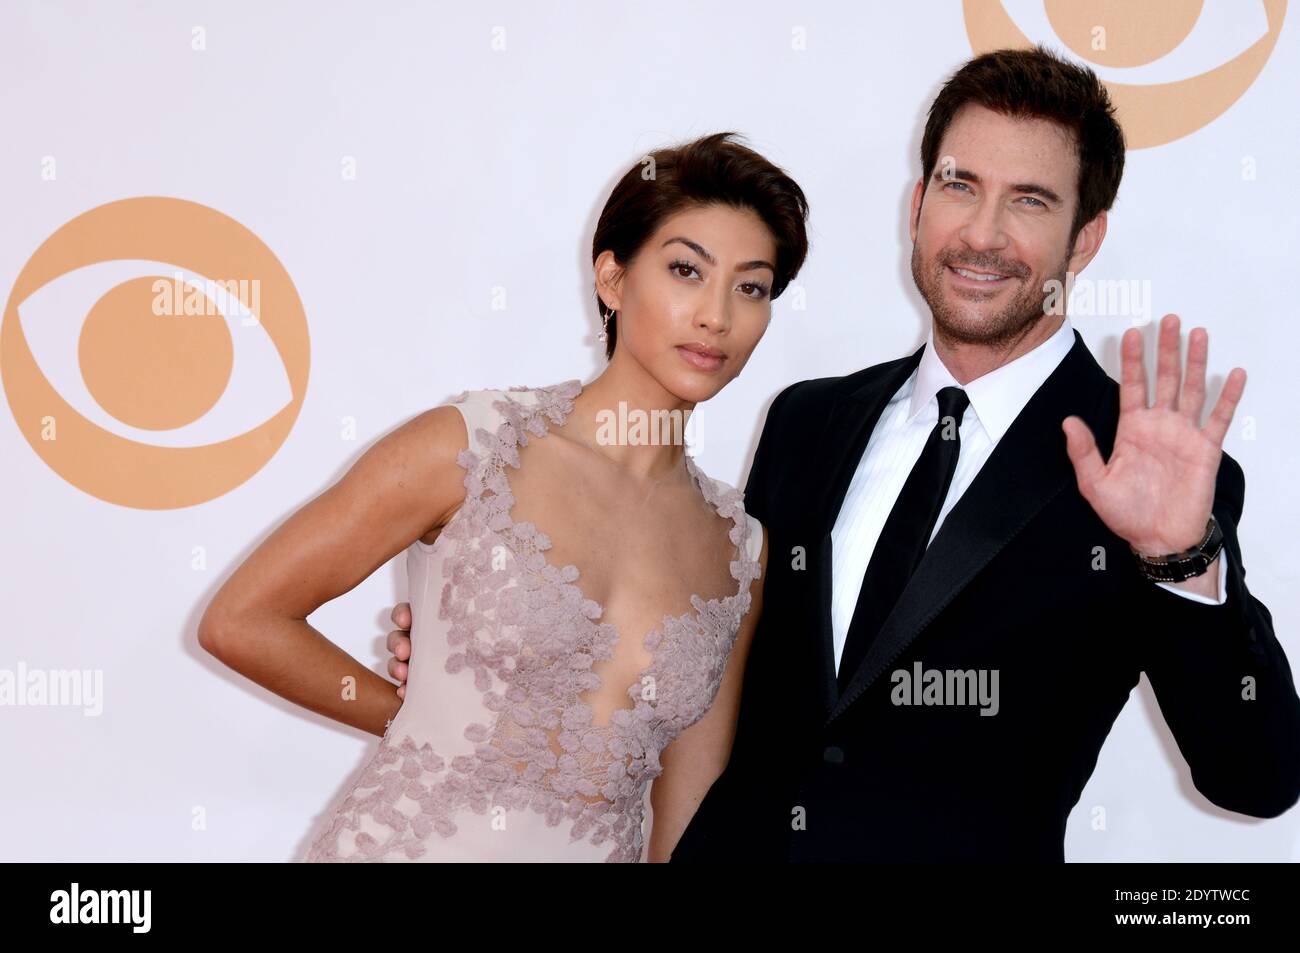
(1176, 567)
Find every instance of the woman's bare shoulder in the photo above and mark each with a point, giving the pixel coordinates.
(421, 458)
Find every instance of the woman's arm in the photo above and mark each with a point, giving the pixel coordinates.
(697, 756)
(402, 488)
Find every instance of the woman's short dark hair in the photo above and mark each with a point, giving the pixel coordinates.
(710, 170)
(1036, 83)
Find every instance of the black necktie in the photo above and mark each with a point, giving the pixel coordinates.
(906, 532)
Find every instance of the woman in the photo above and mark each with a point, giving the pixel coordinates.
(583, 597)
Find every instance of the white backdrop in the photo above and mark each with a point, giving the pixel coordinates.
(429, 176)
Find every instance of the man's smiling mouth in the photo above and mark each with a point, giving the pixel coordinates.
(978, 275)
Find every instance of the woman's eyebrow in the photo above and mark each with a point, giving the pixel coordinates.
(704, 253)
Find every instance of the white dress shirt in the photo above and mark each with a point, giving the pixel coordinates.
(996, 399)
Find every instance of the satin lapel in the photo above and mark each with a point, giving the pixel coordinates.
(849, 424)
(1028, 468)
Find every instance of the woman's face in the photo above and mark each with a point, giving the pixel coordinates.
(695, 300)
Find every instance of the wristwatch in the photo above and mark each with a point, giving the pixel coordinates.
(1176, 567)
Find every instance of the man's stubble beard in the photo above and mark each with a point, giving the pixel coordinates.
(1000, 331)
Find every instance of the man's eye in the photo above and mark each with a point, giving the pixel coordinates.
(956, 185)
(1030, 198)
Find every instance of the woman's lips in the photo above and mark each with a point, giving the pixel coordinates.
(704, 362)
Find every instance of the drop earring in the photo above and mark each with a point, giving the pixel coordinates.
(604, 327)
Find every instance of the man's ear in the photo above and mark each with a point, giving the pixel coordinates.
(914, 219)
(1087, 243)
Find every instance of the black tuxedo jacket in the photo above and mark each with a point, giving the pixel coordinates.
(1022, 578)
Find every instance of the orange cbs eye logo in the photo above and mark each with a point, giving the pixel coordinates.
(191, 357)
(1171, 66)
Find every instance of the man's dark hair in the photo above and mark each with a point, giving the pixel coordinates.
(1037, 83)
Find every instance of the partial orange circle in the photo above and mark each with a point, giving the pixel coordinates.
(1134, 34)
(1152, 114)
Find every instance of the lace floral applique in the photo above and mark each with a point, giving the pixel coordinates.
(529, 638)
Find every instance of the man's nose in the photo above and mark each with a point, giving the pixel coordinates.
(984, 228)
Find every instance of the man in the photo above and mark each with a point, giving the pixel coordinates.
(955, 609)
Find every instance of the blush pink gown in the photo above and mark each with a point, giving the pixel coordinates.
(493, 756)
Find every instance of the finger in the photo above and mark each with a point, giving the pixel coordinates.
(1192, 402)
(401, 691)
(399, 643)
(1133, 372)
(1082, 450)
(397, 669)
(1221, 417)
(1167, 362)
(402, 615)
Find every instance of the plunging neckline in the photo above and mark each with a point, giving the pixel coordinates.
(570, 575)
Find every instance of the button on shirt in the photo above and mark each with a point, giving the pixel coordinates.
(996, 399)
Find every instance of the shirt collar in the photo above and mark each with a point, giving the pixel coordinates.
(998, 396)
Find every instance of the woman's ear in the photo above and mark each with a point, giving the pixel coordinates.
(609, 278)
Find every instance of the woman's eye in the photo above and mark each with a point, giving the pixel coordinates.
(685, 269)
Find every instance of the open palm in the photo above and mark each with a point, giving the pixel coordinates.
(1157, 488)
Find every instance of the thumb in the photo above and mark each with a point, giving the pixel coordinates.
(1081, 447)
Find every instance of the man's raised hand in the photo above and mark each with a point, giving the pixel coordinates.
(1157, 488)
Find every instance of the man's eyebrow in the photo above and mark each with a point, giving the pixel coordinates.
(704, 253)
(1027, 188)
(1030, 188)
